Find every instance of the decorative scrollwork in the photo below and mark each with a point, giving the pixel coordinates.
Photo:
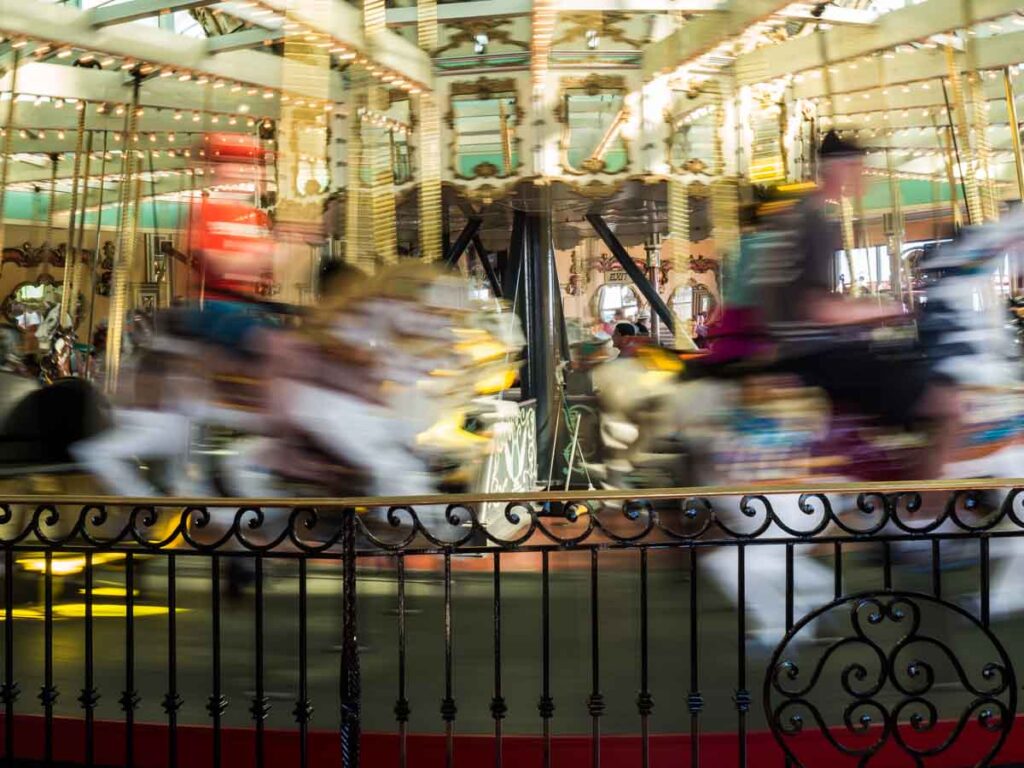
(510, 519)
(890, 671)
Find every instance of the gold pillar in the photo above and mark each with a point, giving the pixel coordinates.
(8, 138)
(76, 273)
(1011, 116)
(302, 162)
(982, 149)
(70, 258)
(429, 143)
(679, 234)
(846, 224)
(125, 254)
(967, 167)
(895, 236)
(382, 185)
(354, 197)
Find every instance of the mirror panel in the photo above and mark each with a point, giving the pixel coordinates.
(483, 120)
(593, 112)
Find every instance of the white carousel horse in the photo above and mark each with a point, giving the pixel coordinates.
(380, 385)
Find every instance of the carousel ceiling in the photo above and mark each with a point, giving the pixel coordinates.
(880, 71)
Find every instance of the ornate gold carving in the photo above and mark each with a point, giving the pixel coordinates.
(695, 165)
(594, 83)
(468, 29)
(606, 24)
(485, 170)
(701, 264)
(484, 88)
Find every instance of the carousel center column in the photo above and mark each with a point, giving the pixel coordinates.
(302, 165)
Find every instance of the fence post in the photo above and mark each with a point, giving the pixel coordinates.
(350, 685)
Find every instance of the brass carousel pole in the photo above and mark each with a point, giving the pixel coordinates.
(76, 274)
(962, 143)
(8, 138)
(679, 233)
(97, 250)
(947, 141)
(52, 204)
(1011, 116)
(429, 142)
(126, 245)
(69, 251)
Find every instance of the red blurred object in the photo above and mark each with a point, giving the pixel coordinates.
(234, 148)
(234, 245)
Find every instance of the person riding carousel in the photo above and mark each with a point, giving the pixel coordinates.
(828, 339)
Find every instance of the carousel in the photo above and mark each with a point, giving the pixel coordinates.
(579, 163)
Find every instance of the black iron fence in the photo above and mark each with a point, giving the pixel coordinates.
(867, 624)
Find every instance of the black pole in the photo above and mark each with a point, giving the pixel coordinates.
(351, 682)
(510, 275)
(956, 150)
(463, 240)
(485, 262)
(635, 273)
(543, 341)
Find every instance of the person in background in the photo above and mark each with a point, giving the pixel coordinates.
(617, 318)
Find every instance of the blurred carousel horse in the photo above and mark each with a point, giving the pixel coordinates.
(366, 398)
(769, 428)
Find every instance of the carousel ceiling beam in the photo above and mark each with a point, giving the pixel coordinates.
(906, 25)
(57, 81)
(913, 66)
(62, 25)
(472, 9)
(832, 14)
(701, 35)
(22, 172)
(133, 10)
(344, 23)
(51, 143)
(247, 38)
(165, 186)
(908, 96)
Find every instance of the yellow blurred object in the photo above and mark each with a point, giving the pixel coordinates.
(447, 434)
(496, 382)
(68, 565)
(659, 359)
(482, 350)
(108, 611)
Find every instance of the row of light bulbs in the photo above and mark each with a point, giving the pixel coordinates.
(379, 119)
(43, 48)
(266, 11)
(342, 53)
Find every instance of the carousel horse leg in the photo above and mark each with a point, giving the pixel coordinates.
(367, 436)
(765, 576)
(113, 455)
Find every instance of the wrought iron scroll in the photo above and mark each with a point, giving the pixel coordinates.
(896, 680)
(511, 519)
